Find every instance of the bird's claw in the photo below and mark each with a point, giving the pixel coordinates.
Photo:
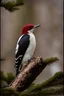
(31, 59)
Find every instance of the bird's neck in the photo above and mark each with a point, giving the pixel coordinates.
(30, 33)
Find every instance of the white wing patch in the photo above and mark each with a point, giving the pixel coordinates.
(17, 47)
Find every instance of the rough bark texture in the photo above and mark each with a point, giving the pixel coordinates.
(29, 74)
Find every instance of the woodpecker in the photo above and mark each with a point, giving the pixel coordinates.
(25, 47)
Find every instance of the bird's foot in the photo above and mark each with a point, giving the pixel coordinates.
(31, 59)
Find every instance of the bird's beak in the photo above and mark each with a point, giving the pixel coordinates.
(35, 26)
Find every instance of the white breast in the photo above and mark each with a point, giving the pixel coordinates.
(30, 50)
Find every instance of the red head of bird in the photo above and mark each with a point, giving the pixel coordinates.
(29, 27)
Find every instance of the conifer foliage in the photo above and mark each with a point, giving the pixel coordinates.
(12, 5)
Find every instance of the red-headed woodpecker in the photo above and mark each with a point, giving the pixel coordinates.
(25, 46)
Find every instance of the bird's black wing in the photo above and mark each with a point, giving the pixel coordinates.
(22, 47)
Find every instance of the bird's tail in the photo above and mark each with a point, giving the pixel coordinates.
(17, 68)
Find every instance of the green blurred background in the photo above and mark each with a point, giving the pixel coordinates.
(49, 37)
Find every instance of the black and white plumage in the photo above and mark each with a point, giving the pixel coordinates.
(25, 47)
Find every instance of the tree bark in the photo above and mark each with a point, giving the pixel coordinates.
(29, 74)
